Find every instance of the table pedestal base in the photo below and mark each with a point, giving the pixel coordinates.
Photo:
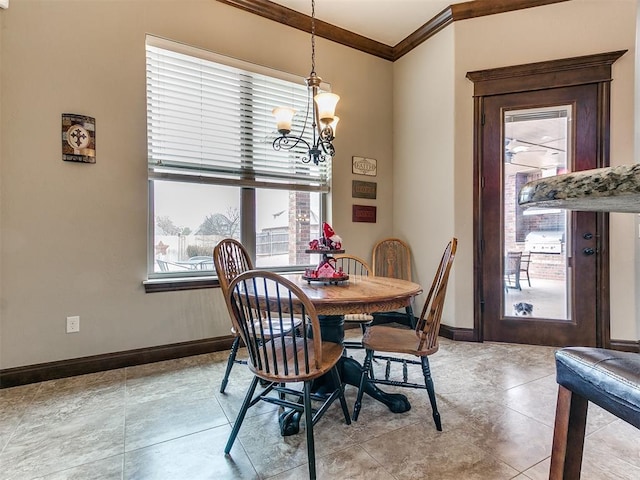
(332, 328)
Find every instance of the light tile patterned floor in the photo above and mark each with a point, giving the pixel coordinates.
(168, 421)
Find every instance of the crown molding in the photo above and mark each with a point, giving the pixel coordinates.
(455, 12)
(429, 29)
(287, 16)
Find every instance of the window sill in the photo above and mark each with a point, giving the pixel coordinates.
(155, 285)
(173, 284)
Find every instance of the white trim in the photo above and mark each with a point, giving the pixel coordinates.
(204, 54)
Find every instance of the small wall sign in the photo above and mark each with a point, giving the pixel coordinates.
(363, 213)
(364, 166)
(78, 138)
(363, 189)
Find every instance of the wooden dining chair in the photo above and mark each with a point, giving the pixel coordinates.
(230, 259)
(261, 303)
(391, 257)
(353, 265)
(420, 342)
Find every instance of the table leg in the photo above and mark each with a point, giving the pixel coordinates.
(332, 329)
(350, 372)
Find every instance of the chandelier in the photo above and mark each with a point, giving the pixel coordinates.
(322, 106)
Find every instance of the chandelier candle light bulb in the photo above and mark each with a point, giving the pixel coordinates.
(326, 103)
(284, 119)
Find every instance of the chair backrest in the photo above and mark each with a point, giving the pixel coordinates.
(352, 265)
(392, 258)
(261, 303)
(512, 263)
(524, 261)
(230, 259)
(428, 326)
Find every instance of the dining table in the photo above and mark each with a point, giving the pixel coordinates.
(359, 294)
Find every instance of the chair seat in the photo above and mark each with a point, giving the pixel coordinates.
(358, 318)
(382, 338)
(608, 378)
(287, 326)
(331, 353)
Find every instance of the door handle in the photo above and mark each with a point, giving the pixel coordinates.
(588, 251)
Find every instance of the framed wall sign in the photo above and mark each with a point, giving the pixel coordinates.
(363, 189)
(363, 213)
(364, 166)
(78, 138)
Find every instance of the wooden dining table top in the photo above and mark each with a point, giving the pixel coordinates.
(359, 294)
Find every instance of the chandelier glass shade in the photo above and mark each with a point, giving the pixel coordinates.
(322, 107)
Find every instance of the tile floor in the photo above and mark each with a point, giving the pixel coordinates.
(168, 421)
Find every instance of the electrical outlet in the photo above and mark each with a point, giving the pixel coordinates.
(73, 324)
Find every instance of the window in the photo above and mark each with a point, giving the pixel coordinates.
(212, 170)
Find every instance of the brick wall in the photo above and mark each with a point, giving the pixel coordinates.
(517, 225)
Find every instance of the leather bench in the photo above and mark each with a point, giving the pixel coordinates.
(608, 378)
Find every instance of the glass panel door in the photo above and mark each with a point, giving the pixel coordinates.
(537, 262)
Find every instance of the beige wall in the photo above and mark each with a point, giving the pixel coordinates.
(424, 188)
(567, 29)
(73, 237)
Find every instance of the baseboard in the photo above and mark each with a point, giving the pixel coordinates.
(626, 345)
(458, 334)
(452, 333)
(13, 377)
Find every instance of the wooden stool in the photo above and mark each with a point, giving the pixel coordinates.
(608, 378)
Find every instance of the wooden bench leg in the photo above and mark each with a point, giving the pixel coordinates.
(568, 435)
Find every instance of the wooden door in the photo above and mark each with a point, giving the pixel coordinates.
(576, 91)
(541, 263)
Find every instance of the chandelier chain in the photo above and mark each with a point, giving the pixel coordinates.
(322, 149)
(313, 37)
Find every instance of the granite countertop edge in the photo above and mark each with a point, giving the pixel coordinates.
(609, 189)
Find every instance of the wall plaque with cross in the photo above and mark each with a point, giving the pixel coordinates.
(78, 138)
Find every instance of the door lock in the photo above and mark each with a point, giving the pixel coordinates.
(587, 236)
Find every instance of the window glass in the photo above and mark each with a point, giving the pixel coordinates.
(212, 167)
(189, 220)
(286, 223)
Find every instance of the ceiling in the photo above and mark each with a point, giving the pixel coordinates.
(385, 21)
(537, 139)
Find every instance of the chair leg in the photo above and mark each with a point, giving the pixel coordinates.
(428, 381)
(243, 411)
(343, 401)
(363, 327)
(412, 318)
(363, 377)
(568, 435)
(230, 362)
(308, 418)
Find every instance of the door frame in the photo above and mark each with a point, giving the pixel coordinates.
(574, 71)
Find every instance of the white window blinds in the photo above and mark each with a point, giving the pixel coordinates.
(211, 122)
